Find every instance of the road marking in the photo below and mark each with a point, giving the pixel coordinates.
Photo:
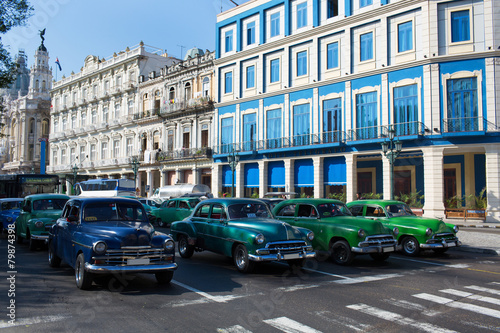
(32, 321)
(233, 329)
(217, 299)
(433, 263)
(487, 290)
(459, 305)
(297, 287)
(336, 320)
(412, 306)
(290, 326)
(397, 318)
(368, 278)
(472, 296)
(325, 273)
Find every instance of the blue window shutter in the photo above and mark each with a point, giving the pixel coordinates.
(276, 174)
(335, 171)
(252, 175)
(227, 176)
(304, 173)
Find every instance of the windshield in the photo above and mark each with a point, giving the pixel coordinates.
(103, 185)
(249, 210)
(110, 211)
(398, 210)
(11, 205)
(49, 204)
(333, 209)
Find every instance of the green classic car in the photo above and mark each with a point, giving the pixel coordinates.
(415, 232)
(336, 231)
(173, 210)
(243, 229)
(38, 213)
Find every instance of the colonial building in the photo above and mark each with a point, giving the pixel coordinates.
(95, 113)
(309, 89)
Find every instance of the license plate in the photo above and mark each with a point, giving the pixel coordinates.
(292, 256)
(388, 249)
(138, 261)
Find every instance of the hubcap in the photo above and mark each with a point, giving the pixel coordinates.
(240, 258)
(410, 246)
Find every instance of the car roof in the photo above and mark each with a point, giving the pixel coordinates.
(230, 201)
(88, 200)
(11, 199)
(375, 202)
(47, 196)
(313, 201)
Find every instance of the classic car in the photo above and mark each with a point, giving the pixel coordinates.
(105, 236)
(38, 213)
(337, 232)
(415, 232)
(174, 210)
(9, 211)
(244, 230)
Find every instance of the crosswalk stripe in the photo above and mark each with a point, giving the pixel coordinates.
(367, 278)
(397, 318)
(32, 321)
(290, 326)
(459, 305)
(472, 296)
(486, 290)
(218, 299)
(233, 329)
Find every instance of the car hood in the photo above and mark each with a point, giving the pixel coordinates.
(370, 227)
(11, 212)
(47, 214)
(270, 228)
(419, 222)
(120, 233)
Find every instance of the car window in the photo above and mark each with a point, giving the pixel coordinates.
(307, 211)
(398, 210)
(249, 210)
(288, 210)
(183, 205)
(165, 204)
(375, 211)
(194, 202)
(356, 210)
(11, 205)
(332, 209)
(107, 211)
(217, 212)
(49, 204)
(171, 204)
(202, 211)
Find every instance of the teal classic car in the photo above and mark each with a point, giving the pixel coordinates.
(38, 213)
(244, 230)
(173, 210)
(415, 232)
(336, 231)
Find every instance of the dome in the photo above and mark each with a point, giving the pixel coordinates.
(193, 53)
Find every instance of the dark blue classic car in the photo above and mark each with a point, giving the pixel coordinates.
(98, 236)
(9, 211)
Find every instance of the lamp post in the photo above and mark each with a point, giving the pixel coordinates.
(233, 160)
(75, 173)
(134, 161)
(391, 150)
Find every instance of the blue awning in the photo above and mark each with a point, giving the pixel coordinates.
(335, 171)
(227, 176)
(304, 173)
(252, 175)
(276, 174)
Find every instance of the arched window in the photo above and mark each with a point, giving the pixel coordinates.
(187, 91)
(171, 95)
(206, 86)
(145, 102)
(157, 100)
(37, 84)
(45, 127)
(44, 85)
(32, 126)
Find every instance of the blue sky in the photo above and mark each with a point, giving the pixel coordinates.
(76, 28)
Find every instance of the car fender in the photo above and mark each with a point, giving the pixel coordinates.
(183, 228)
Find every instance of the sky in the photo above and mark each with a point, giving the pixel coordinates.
(76, 28)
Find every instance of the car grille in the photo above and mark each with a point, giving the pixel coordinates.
(286, 247)
(378, 240)
(120, 256)
(447, 236)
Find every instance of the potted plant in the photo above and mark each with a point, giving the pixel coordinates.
(476, 205)
(414, 200)
(453, 207)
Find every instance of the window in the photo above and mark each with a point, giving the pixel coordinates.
(94, 117)
(332, 55)
(462, 103)
(204, 136)
(73, 122)
(405, 36)
(64, 124)
(301, 127)
(302, 63)
(82, 154)
(117, 111)
(105, 114)
(332, 120)
(273, 127)
(229, 41)
(72, 155)
(187, 93)
(301, 15)
(249, 131)
(228, 82)
(364, 3)
(250, 77)
(130, 147)
(56, 126)
(116, 148)
(83, 118)
(366, 46)
(366, 115)
(171, 95)
(226, 134)
(275, 24)
(54, 157)
(275, 70)
(460, 26)
(104, 150)
(63, 156)
(406, 110)
(106, 86)
(332, 8)
(130, 106)
(206, 86)
(251, 33)
(92, 152)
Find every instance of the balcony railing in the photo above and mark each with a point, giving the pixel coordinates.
(146, 114)
(467, 124)
(185, 153)
(192, 103)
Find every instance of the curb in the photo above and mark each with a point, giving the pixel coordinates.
(466, 248)
(477, 226)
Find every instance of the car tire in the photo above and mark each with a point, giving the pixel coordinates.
(82, 277)
(54, 260)
(185, 250)
(380, 256)
(241, 260)
(410, 246)
(440, 251)
(161, 223)
(164, 277)
(341, 253)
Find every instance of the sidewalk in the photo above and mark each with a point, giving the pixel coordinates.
(477, 242)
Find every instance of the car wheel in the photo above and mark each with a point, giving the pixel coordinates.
(241, 260)
(410, 245)
(341, 253)
(161, 223)
(82, 277)
(54, 260)
(185, 250)
(164, 277)
(379, 256)
(440, 251)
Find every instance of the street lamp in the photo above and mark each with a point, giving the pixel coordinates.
(233, 160)
(75, 173)
(391, 150)
(134, 161)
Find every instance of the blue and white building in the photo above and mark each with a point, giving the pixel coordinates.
(308, 89)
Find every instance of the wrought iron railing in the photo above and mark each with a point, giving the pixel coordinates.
(468, 124)
(193, 103)
(185, 153)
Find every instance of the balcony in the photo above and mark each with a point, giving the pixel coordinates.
(191, 104)
(183, 154)
(147, 114)
(467, 124)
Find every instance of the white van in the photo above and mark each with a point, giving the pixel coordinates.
(174, 191)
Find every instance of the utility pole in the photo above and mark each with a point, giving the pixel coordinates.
(182, 47)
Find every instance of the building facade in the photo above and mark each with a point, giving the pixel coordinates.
(308, 90)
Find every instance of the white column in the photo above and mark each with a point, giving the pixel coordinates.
(238, 181)
(69, 186)
(386, 177)
(289, 176)
(493, 182)
(149, 174)
(263, 178)
(351, 176)
(138, 182)
(319, 187)
(216, 179)
(434, 180)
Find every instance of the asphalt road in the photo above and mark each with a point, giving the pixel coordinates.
(457, 291)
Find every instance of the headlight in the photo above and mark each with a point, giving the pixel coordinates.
(259, 239)
(395, 231)
(310, 236)
(361, 233)
(100, 247)
(455, 228)
(39, 224)
(169, 245)
(428, 232)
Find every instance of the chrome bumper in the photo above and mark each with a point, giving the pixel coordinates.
(40, 237)
(441, 245)
(376, 249)
(102, 269)
(279, 256)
